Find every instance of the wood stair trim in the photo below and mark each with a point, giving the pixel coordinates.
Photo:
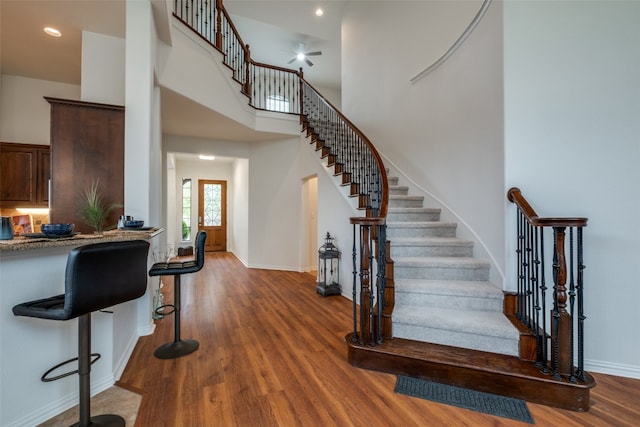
(477, 370)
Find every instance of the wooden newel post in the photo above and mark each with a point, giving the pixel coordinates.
(300, 78)
(365, 285)
(561, 323)
(246, 88)
(219, 25)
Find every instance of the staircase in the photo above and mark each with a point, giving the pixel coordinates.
(443, 293)
(429, 311)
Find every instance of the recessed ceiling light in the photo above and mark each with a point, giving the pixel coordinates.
(319, 12)
(206, 157)
(52, 32)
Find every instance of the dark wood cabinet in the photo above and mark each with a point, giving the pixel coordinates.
(87, 146)
(24, 175)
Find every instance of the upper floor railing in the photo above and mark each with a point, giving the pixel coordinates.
(555, 316)
(268, 87)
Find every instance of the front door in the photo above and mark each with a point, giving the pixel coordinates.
(212, 213)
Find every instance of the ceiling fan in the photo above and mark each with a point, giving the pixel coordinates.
(301, 55)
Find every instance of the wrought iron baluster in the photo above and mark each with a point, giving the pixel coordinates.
(581, 316)
(572, 295)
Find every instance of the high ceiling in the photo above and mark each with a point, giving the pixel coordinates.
(271, 28)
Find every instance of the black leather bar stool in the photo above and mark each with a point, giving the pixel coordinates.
(97, 276)
(179, 347)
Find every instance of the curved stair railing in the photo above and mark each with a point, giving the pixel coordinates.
(340, 142)
(355, 159)
(554, 316)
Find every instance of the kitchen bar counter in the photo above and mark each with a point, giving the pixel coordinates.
(22, 243)
(35, 268)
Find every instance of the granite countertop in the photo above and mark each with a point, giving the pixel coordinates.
(21, 243)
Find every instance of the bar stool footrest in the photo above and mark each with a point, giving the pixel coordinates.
(160, 310)
(175, 349)
(44, 379)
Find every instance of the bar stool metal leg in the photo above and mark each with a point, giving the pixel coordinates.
(84, 378)
(178, 347)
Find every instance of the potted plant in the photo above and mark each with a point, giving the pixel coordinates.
(93, 209)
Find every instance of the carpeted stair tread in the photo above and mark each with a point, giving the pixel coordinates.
(441, 262)
(476, 330)
(421, 229)
(452, 294)
(396, 209)
(402, 197)
(421, 224)
(399, 190)
(430, 241)
(477, 289)
(430, 246)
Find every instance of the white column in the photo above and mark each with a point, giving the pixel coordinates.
(141, 136)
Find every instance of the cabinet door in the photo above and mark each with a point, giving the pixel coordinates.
(44, 175)
(20, 169)
(87, 145)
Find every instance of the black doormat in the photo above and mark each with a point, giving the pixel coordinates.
(492, 404)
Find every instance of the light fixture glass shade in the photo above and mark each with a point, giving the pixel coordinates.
(53, 32)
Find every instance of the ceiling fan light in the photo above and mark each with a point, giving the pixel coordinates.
(53, 32)
(300, 56)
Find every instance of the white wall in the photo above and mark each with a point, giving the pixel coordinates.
(102, 68)
(25, 114)
(572, 147)
(444, 132)
(274, 205)
(239, 196)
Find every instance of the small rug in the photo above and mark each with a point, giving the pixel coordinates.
(492, 404)
(114, 400)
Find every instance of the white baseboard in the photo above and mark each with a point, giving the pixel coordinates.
(59, 406)
(121, 364)
(617, 369)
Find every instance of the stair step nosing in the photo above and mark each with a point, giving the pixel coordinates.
(421, 224)
(455, 288)
(443, 262)
(455, 320)
(430, 241)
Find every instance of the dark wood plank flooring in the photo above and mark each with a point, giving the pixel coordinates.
(272, 353)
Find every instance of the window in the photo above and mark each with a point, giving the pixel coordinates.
(186, 209)
(277, 103)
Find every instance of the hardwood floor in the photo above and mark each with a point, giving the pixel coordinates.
(272, 353)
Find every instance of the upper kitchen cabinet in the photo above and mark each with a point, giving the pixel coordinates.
(87, 146)
(24, 175)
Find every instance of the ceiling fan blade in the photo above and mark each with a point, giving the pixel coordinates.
(316, 53)
(309, 63)
(291, 60)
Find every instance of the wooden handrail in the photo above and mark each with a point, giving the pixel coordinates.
(223, 10)
(514, 195)
(563, 325)
(383, 172)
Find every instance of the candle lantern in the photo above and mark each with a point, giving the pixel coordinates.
(328, 268)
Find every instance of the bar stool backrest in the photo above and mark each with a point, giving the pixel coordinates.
(201, 238)
(102, 275)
